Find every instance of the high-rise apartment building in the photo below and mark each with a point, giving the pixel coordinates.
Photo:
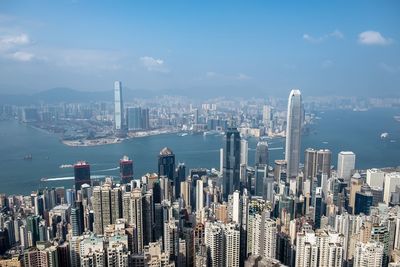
(244, 151)
(232, 245)
(368, 254)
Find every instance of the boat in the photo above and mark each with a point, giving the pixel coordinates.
(28, 157)
(66, 166)
(384, 135)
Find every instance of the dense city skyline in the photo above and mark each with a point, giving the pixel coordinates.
(206, 134)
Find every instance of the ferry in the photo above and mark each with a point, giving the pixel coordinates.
(28, 157)
(66, 166)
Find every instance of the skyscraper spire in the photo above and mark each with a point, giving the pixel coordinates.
(293, 132)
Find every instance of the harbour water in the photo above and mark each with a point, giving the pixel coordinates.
(336, 130)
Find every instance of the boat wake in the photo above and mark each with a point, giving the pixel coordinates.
(275, 148)
(106, 170)
(66, 178)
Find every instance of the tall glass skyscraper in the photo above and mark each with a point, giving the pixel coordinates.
(166, 163)
(81, 174)
(293, 131)
(261, 153)
(118, 105)
(231, 170)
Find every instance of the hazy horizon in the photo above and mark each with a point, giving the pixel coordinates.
(259, 48)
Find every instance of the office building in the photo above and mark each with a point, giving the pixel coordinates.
(166, 163)
(81, 174)
(126, 170)
(317, 162)
(293, 133)
(231, 168)
(392, 180)
(118, 106)
(179, 177)
(346, 164)
(375, 177)
(134, 119)
(363, 200)
(261, 157)
(199, 195)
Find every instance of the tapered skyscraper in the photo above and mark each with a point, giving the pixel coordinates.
(293, 131)
(118, 105)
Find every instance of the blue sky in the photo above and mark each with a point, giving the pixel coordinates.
(259, 47)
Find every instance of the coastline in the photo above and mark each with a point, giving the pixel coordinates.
(116, 140)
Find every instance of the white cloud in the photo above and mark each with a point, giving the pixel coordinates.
(10, 41)
(335, 34)
(242, 77)
(22, 56)
(239, 76)
(373, 38)
(153, 64)
(211, 74)
(389, 68)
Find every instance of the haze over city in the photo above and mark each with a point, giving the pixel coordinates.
(199, 133)
(218, 47)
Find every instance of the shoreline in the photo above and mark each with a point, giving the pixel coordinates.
(116, 140)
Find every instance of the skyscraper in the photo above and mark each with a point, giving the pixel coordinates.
(346, 164)
(369, 254)
(244, 151)
(102, 207)
(134, 118)
(231, 171)
(118, 106)
(81, 174)
(199, 195)
(262, 153)
(180, 177)
(136, 218)
(266, 115)
(317, 162)
(293, 132)
(214, 241)
(232, 245)
(166, 163)
(126, 169)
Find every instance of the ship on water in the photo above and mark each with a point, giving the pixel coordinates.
(28, 157)
(62, 166)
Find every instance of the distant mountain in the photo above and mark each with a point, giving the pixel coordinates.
(68, 95)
